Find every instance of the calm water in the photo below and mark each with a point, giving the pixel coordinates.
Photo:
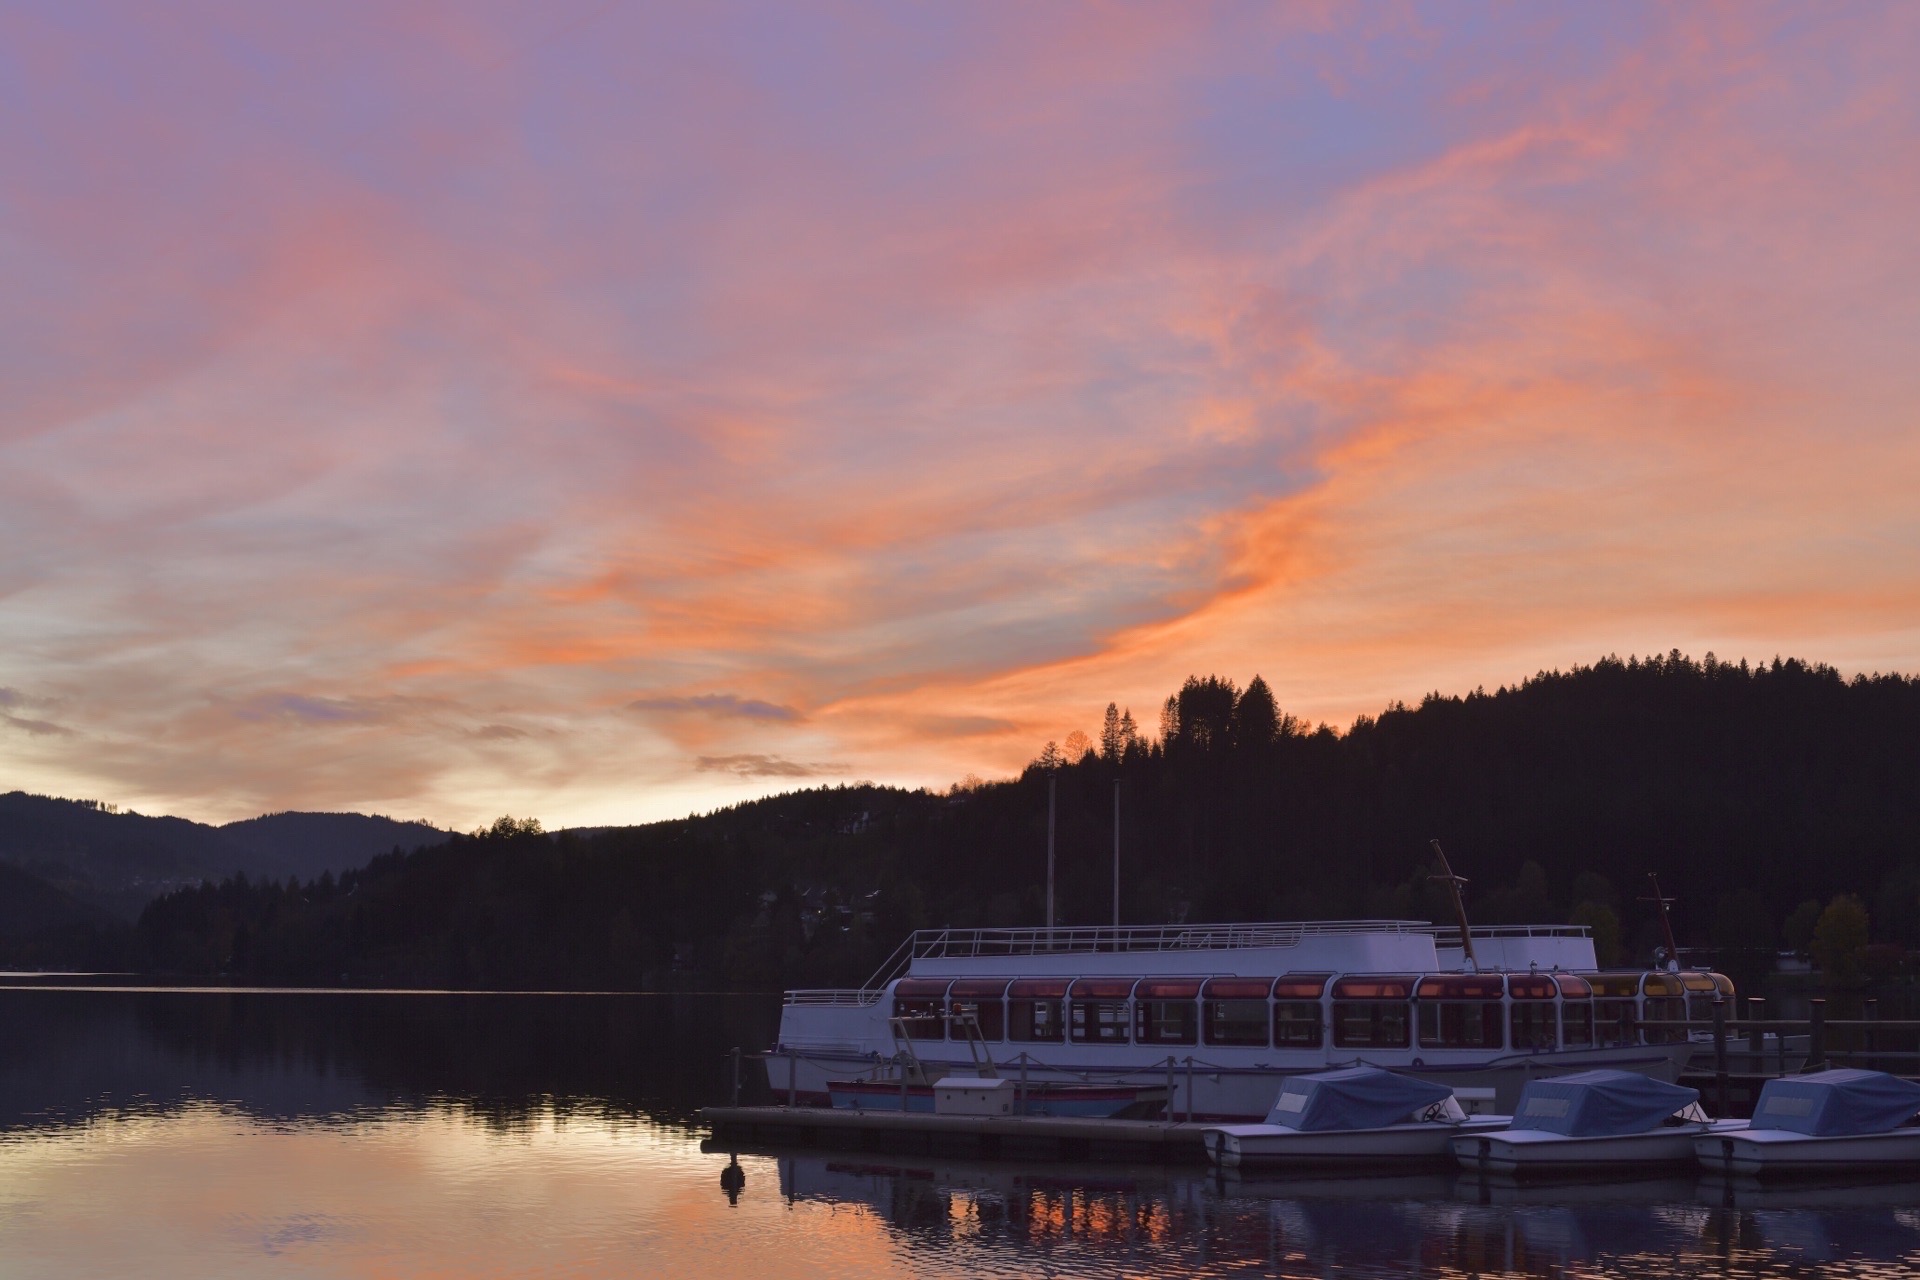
(209, 1135)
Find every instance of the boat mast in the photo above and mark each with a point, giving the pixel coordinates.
(1052, 790)
(1116, 861)
(1666, 925)
(1454, 883)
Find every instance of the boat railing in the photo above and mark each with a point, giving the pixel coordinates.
(844, 997)
(1448, 935)
(967, 944)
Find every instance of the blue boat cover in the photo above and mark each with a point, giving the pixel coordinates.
(1599, 1104)
(1352, 1098)
(1837, 1103)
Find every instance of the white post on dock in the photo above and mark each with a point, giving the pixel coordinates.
(1052, 790)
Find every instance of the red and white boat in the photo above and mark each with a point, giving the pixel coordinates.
(1222, 1013)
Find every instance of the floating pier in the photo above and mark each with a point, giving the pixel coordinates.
(1049, 1138)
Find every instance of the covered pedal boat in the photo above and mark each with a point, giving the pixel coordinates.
(1357, 1115)
(1841, 1123)
(1592, 1122)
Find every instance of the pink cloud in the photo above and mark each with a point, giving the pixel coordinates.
(943, 375)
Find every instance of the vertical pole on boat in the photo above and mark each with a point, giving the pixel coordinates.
(1052, 795)
(902, 1056)
(1816, 1033)
(1720, 1051)
(1169, 1088)
(1189, 1088)
(1020, 1097)
(1116, 864)
(793, 1077)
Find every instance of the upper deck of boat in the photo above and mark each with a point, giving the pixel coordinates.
(1327, 946)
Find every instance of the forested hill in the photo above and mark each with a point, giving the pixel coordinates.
(1751, 791)
(119, 860)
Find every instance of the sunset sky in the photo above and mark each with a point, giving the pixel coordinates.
(605, 411)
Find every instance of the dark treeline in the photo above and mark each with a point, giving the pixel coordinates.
(1757, 793)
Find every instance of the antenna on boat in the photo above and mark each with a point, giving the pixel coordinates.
(1052, 790)
(1666, 925)
(1459, 908)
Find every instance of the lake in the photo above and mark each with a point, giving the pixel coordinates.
(214, 1134)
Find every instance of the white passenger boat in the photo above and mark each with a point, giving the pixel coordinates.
(1593, 1124)
(1840, 1123)
(1222, 1014)
(1356, 1116)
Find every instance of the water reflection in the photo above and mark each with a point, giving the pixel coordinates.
(1162, 1222)
(71, 1055)
(191, 1135)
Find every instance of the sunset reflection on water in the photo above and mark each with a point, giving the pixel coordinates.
(215, 1135)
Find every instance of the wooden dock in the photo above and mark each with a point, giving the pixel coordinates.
(988, 1137)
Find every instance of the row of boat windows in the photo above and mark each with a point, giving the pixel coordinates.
(1541, 1013)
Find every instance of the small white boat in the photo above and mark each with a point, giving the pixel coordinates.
(1841, 1123)
(1593, 1124)
(1357, 1116)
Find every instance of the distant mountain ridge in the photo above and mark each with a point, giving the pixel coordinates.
(119, 860)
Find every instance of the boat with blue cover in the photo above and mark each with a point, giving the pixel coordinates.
(1359, 1115)
(1594, 1124)
(1844, 1122)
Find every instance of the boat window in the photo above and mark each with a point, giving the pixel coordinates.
(1369, 1024)
(1166, 1022)
(1234, 1010)
(1296, 1024)
(1531, 986)
(1460, 1024)
(1033, 1010)
(1530, 1025)
(1702, 988)
(1616, 1021)
(1461, 986)
(1572, 988)
(1237, 1022)
(1370, 1012)
(1301, 986)
(920, 1004)
(1460, 1011)
(1664, 1009)
(1167, 1011)
(1097, 1010)
(980, 1000)
(1576, 1023)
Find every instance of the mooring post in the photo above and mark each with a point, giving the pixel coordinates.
(1720, 1049)
(1756, 1035)
(1816, 1033)
(793, 1076)
(735, 1095)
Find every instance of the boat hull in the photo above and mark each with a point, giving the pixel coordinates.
(1775, 1153)
(1272, 1147)
(1522, 1153)
(1215, 1091)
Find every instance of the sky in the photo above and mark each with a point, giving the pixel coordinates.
(604, 411)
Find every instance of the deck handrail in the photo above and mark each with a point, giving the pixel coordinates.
(1038, 940)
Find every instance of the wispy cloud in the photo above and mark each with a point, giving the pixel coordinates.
(1371, 352)
(720, 704)
(762, 766)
